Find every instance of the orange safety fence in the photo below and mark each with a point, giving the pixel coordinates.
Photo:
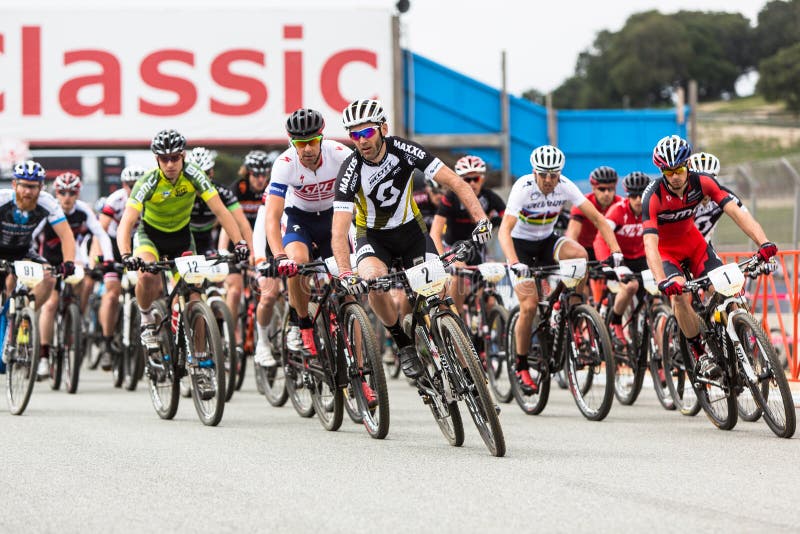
(765, 300)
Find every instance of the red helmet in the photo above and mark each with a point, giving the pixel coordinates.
(68, 182)
(470, 164)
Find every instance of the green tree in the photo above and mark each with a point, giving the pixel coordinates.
(778, 27)
(779, 77)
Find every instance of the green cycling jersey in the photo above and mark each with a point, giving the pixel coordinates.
(167, 206)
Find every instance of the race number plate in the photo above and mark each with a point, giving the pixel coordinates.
(614, 285)
(29, 273)
(649, 282)
(727, 280)
(492, 272)
(427, 278)
(195, 269)
(572, 271)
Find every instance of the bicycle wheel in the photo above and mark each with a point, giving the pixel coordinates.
(73, 354)
(273, 379)
(719, 403)
(92, 332)
(590, 355)
(387, 347)
(327, 399)
(497, 355)
(538, 357)
(22, 360)
(653, 340)
(295, 385)
(768, 384)
(55, 356)
(207, 368)
(227, 331)
(675, 374)
(628, 371)
(360, 339)
(133, 355)
(471, 383)
(164, 383)
(241, 356)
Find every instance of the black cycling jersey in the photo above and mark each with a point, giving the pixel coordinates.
(249, 200)
(382, 192)
(79, 222)
(17, 226)
(459, 221)
(203, 219)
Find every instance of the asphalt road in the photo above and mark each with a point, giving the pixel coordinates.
(102, 461)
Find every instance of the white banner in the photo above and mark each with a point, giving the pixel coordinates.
(104, 76)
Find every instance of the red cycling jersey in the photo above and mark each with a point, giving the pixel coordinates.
(588, 230)
(627, 229)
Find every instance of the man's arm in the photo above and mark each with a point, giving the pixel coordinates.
(339, 241)
(573, 229)
(129, 218)
(653, 256)
(445, 176)
(746, 222)
(601, 224)
(437, 226)
(64, 233)
(243, 224)
(504, 236)
(226, 219)
(275, 205)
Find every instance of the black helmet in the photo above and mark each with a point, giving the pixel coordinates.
(168, 142)
(258, 162)
(635, 183)
(305, 122)
(603, 175)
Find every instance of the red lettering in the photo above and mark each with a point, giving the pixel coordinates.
(329, 79)
(293, 81)
(184, 89)
(221, 73)
(291, 31)
(31, 70)
(109, 78)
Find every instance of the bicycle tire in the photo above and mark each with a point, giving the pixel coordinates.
(475, 391)
(209, 411)
(164, 385)
(628, 371)
(91, 349)
(375, 419)
(328, 401)
(55, 357)
(719, 407)
(677, 377)
(497, 355)
(273, 379)
(655, 359)
(295, 387)
(118, 357)
(72, 350)
(779, 415)
(133, 356)
(531, 404)
(227, 330)
(593, 352)
(21, 367)
(241, 357)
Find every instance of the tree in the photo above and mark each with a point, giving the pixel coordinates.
(778, 27)
(779, 77)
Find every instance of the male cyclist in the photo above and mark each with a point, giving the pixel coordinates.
(604, 195)
(527, 238)
(708, 212)
(83, 223)
(376, 181)
(625, 218)
(671, 239)
(302, 186)
(22, 210)
(164, 198)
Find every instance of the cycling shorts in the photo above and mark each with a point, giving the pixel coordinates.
(311, 228)
(162, 244)
(693, 251)
(538, 253)
(405, 243)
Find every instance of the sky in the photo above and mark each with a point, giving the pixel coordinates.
(542, 40)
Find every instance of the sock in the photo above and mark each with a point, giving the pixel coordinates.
(399, 336)
(147, 315)
(292, 316)
(305, 322)
(615, 318)
(522, 362)
(44, 351)
(263, 334)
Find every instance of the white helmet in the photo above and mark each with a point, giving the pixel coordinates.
(131, 174)
(202, 157)
(362, 112)
(705, 163)
(547, 158)
(470, 164)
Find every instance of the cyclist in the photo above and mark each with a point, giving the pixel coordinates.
(302, 186)
(376, 181)
(83, 223)
(671, 238)
(625, 218)
(164, 198)
(454, 217)
(708, 212)
(527, 238)
(203, 223)
(22, 209)
(249, 190)
(427, 196)
(604, 195)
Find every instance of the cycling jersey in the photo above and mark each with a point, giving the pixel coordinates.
(202, 218)
(588, 230)
(382, 192)
(249, 199)
(17, 226)
(304, 189)
(628, 230)
(422, 198)
(83, 222)
(706, 214)
(114, 207)
(167, 206)
(459, 221)
(536, 213)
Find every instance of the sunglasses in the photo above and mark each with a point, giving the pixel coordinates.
(67, 193)
(170, 159)
(472, 179)
(552, 175)
(672, 172)
(634, 195)
(302, 143)
(366, 133)
(604, 189)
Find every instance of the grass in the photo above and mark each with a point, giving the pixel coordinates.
(777, 223)
(738, 149)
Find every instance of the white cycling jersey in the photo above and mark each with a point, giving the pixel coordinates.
(302, 188)
(114, 208)
(536, 213)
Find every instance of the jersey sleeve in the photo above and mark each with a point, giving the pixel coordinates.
(572, 192)
(228, 198)
(515, 198)
(576, 214)
(650, 205)
(55, 213)
(418, 156)
(279, 176)
(347, 185)
(200, 180)
(97, 231)
(711, 187)
(142, 190)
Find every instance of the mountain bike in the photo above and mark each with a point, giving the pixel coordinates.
(66, 354)
(190, 340)
(452, 369)
(567, 334)
(741, 348)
